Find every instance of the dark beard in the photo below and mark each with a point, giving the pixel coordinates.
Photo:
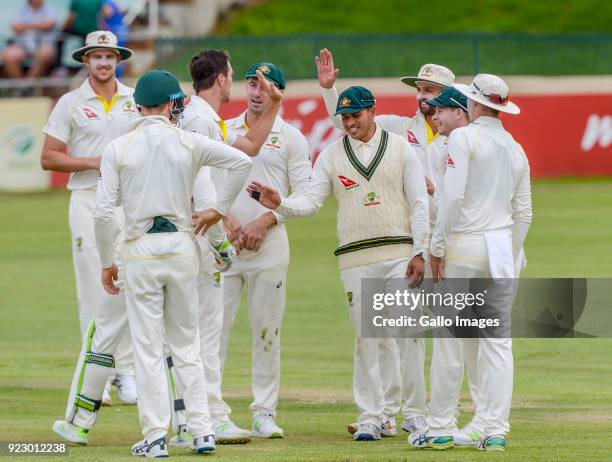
(428, 111)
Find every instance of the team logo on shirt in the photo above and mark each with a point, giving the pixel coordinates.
(347, 182)
(217, 279)
(79, 243)
(411, 138)
(349, 298)
(274, 142)
(371, 199)
(128, 106)
(89, 113)
(449, 161)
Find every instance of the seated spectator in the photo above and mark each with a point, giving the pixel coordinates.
(33, 43)
(113, 19)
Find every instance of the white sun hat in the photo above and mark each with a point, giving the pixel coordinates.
(431, 73)
(491, 91)
(100, 39)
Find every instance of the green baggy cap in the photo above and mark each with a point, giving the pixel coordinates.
(354, 99)
(269, 71)
(449, 97)
(157, 87)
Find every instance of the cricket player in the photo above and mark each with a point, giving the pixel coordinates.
(261, 240)
(82, 123)
(211, 74)
(421, 132)
(151, 172)
(451, 113)
(483, 219)
(383, 227)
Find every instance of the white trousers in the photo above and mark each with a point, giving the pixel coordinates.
(161, 294)
(467, 258)
(210, 294)
(374, 358)
(93, 300)
(264, 275)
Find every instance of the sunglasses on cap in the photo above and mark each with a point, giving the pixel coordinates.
(495, 98)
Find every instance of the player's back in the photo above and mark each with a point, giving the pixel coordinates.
(157, 168)
(497, 164)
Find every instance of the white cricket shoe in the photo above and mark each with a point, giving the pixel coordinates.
(106, 396)
(227, 432)
(415, 424)
(126, 388)
(422, 440)
(70, 432)
(367, 432)
(389, 427)
(155, 448)
(467, 436)
(265, 427)
(182, 439)
(204, 443)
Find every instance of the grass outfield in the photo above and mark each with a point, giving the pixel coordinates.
(562, 398)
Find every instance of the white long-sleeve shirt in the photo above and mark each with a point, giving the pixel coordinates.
(486, 186)
(151, 171)
(320, 187)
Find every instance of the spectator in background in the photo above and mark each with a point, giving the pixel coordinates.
(82, 18)
(34, 41)
(113, 19)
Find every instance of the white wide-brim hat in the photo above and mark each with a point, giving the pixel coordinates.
(491, 91)
(431, 73)
(100, 39)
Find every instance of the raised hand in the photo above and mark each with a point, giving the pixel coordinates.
(265, 195)
(326, 72)
(276, 96)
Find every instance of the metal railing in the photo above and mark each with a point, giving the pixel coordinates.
(392, 55)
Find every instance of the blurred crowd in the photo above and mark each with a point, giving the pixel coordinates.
(36, 46)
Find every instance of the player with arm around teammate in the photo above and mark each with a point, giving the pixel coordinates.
(383, 227)
(151, 172)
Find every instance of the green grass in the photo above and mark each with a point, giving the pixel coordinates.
(401, 16)
(562, 408)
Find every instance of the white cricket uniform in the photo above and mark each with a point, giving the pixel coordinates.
(405, 188)
(483, 218)
(87, 123)
(426, 145)
(200, 117)
(282, 163)
(151, 172)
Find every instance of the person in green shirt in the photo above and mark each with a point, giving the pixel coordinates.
(82, 17)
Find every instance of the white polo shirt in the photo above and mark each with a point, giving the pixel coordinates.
(87, 124)
(282, 163)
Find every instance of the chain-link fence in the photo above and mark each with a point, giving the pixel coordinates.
(361, 55)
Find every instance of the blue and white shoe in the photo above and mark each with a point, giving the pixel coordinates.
(493, 443)
(224, 253)
(204, 443)
(155, 448)
(367, 432)
(424, 440)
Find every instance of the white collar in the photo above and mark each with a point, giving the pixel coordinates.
(373, 142)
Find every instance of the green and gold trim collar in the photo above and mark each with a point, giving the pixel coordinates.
(368, 171)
